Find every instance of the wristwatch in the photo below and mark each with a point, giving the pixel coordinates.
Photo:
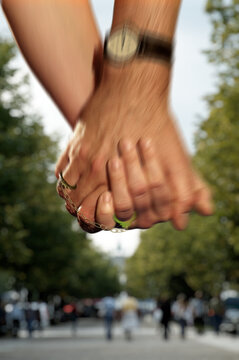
(126, 43)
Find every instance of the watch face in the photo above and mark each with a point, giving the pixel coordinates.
(122, 44)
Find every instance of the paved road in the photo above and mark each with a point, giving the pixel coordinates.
(89, 344)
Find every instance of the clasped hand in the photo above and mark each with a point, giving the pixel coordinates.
(126, 154)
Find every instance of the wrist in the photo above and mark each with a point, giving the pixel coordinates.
(139, 73)
(156, 16)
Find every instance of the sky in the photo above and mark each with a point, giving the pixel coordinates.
(193, 78)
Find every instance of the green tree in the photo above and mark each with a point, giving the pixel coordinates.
(207, 254)
(217, 140)
(39, 248)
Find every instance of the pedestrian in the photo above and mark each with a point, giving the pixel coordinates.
(198, 310)
(129, 316)
(109, 312)
(3, 321)
(166, 316)
(30, 318)
(216, 312)
(182, 313)
(16, 317)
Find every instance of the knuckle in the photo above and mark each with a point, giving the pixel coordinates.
(124, 211)
(138, 191)
(131, 158)
(185, 203)
(149, 152)
(165, 215)
(159, 187)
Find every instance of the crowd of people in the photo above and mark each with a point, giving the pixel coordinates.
(186, 312)
(28, 315)
(125, 310)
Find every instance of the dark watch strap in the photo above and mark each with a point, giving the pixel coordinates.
(155, 48)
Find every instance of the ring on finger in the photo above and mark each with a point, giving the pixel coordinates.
(66, 184)
(125, 224)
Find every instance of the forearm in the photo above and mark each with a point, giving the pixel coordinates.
(157, 16)
(58, 39)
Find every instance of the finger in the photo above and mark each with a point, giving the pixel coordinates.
(180, 221)
(145, 220)
(78, 156)
(86, 212)
(62, 162)
(136, 179)
(203, 202)
(92, 178)
(105, 210)
(183, 197)
(72, 171)
(159, 190)
(123, 204)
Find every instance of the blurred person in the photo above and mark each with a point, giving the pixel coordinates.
(36, 315)
(129, 319)
(84, 82)
(16, 318)
(44, 314)
(165, 306)
(30, 317)
(74, 318)
(216, 313)
(71, 311)
(198, 310)
(109, 313)
(157, 314)
(182, 313)
(3, 320)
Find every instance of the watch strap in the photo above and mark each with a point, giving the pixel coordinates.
(155, 48)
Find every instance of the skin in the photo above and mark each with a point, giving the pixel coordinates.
(167, 187)
(115, 116)
(51, 35)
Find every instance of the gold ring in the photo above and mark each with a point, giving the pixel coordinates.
(65, 183)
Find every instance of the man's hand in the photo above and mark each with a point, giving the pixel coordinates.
(130, 103)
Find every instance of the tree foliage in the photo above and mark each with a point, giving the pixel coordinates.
(206, 255)
(39, 248)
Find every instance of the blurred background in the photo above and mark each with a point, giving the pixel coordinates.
(57, 282)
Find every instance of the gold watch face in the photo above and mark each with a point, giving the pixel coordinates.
(122, 45)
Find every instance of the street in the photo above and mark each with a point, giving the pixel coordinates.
(58, 343)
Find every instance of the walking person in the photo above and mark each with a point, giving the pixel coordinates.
(198, 310)
(216, 311)
(166, 317)
(129, 316)
(109, 312)
(182, 313)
